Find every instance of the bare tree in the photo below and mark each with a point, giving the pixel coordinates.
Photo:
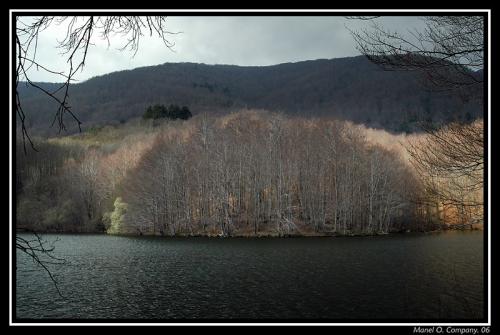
(87, 188)
(81, 31)
(41, 254)
(447, 51)
(450, 162)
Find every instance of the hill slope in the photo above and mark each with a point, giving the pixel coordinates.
(347, 88)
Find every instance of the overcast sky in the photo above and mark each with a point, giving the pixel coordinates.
(238, 40)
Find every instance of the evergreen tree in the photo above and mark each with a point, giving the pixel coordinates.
(173, 112)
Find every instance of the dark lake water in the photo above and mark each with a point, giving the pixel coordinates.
(406, 277)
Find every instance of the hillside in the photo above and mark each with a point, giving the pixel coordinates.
(347, 88)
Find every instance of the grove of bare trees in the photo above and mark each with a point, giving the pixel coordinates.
(450, 164)
(248, 173)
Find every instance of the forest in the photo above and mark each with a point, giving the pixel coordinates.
(249, 173)
(393, 101)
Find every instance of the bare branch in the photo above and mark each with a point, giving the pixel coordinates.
(447, 52)
(450, 163)
(75, 45)
(36, 249)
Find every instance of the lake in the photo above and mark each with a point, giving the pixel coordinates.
(400, 276)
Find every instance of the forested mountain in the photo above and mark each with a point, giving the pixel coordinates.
(346, 88)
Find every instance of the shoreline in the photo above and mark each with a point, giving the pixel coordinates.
(262, 235)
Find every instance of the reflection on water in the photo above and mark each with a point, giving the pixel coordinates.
(412, 276)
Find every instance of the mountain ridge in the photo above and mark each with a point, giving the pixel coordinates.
(348, 88)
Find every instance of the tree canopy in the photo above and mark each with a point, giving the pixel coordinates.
(172, 112)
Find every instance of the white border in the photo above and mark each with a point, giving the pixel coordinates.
(489, 167)
(10, 167)
(430, 324)
(256, 10)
